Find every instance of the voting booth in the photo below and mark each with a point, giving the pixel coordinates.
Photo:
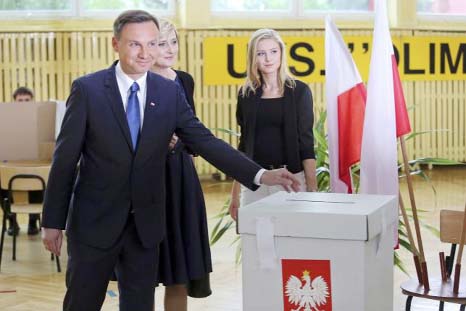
(318, 251)
(27, 130)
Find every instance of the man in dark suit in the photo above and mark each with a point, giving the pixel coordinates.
(118, 125)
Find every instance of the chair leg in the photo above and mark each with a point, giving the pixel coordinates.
(462, 307)
(14, 246)
(441, 305)
(2, 238)
(450, 259)
(52, 257)
(408, 303)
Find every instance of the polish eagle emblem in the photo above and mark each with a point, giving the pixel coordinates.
(308, 296)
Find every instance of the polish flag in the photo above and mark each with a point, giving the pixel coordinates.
(386, 117)
(403, 126)
(379, 169)
(346, 98)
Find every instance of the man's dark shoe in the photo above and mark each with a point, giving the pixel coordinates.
(32, 228)
(13, 229)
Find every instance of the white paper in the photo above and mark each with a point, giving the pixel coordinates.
(266, 243)
(386, 225)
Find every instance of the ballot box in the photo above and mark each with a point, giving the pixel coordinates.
(27, 130)
(318, 251)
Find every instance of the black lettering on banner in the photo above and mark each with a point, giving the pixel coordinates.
(445, 54)
(351, 47)
(294, 55)
(406, 58)
(397, 54)
(230, 63)
(365, 47)
(432, 58)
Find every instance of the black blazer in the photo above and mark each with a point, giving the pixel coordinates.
(112, 178)
(298, 121)
(188, 84)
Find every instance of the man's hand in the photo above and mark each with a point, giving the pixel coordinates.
(173, 142)
(280, 177)
(52, 239)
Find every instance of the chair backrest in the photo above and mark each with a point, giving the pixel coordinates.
(7, 172)
(451, 225)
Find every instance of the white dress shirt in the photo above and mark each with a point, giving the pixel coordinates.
(124, 83)
(257, 179)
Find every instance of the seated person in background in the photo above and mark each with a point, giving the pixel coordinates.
(24, 94)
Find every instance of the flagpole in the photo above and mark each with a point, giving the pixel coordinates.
(351, 179)
(414, 250)
(425, 276)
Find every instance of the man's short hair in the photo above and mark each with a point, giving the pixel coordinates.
(130, 17)
(23, 91)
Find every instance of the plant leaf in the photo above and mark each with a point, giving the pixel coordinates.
(221, 232)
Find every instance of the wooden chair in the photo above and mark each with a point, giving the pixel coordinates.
(16, 181)
(451, 225)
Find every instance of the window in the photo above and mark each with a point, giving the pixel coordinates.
(78, 8)
(289, 8)
(34, 5)
(338, 5)
(445, 7)
(250, 5)
(113, 5)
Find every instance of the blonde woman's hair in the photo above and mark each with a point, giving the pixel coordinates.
(253, 76)
(166, 26)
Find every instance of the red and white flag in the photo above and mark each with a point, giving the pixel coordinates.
(346, 98)
(385, 116)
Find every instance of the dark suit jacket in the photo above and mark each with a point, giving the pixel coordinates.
(298, 121)
(112, 178)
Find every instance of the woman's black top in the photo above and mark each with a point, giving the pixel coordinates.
(268, 142)
(298, 121)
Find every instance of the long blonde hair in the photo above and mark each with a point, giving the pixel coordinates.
(253, 75)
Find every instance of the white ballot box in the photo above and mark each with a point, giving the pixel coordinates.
(318, 251)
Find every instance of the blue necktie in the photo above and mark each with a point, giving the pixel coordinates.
(133, 115)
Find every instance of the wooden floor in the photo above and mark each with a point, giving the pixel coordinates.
(32, 283)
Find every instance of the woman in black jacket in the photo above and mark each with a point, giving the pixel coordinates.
(185, 261)
(275, 114)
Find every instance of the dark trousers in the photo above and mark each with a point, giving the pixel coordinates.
(90, 269)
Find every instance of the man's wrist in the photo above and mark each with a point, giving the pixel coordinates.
(258, 177)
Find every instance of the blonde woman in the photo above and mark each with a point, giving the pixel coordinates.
(185, 261)
(275, 114)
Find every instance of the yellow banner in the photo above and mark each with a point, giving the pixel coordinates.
(419, 58)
